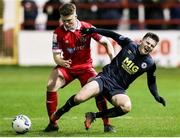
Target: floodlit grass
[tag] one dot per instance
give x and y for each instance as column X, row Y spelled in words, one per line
column 23, row 90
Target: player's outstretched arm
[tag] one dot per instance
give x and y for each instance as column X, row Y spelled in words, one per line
column 103, row 32
column 154, row 92
column 151, row 79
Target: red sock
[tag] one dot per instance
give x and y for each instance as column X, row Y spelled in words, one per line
column 101, row 104
column 51, row 102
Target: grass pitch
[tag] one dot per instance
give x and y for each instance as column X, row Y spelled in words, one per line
column 23, row 90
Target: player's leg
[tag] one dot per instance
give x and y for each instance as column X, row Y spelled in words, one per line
column 101, row 102
column 88, row 91
column 122, row 101
column 54, row 83
column 58, row 78
column 122, row 105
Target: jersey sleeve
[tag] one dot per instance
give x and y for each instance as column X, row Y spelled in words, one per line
column 95, row 36
column 55, row 44
column 151, row 80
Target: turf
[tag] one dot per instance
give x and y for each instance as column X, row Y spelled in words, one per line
column 22, row 90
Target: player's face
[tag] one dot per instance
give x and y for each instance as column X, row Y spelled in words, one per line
column 147, row 45
column 70, row 21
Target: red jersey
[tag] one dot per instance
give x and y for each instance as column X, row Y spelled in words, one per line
column 74, row 45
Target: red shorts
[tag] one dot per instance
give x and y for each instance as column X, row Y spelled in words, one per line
column 83, row 75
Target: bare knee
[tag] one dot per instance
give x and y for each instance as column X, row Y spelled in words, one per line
column 55, row 84
column 122, row 101
column 51, row 87
column 79, row 98
column 126, row 107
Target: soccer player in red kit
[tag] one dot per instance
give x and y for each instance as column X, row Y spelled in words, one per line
column 72, row 54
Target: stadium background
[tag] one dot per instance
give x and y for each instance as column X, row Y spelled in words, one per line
column 26, row 24
column 26, row 60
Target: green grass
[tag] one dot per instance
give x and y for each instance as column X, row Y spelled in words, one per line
column 22, row 90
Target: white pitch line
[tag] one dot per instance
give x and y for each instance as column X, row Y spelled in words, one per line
column 82, row 117
column 41, row 118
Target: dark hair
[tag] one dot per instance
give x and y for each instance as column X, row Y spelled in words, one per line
column 67, row 9
column 151, row 35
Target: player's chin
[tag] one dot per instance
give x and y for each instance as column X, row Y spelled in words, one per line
column 146, row 52
column 70, row 28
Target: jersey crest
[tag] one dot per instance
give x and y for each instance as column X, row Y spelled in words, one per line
column 144, row 65
column 82, row 39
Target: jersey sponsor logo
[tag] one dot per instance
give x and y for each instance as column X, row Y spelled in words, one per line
column 80, row 47
column 81, row 43
column 144, row 65
column 71, row 50
column 129, row 66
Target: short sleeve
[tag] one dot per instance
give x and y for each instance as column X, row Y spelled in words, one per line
column 55, row 45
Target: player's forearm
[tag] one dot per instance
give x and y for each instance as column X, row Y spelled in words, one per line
column 110, row 52
column 153, row 90
column 152, row 85
column 59, row 61
column 151, row 80
column 107, row 33
column 109, row 48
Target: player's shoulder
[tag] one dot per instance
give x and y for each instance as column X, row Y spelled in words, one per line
column 59, row 29
column 150, row 60
column 85, row 24
column 132, row 46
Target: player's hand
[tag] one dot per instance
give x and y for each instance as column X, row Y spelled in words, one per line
column 66, row 63
column 87, row 30
column 160, row 100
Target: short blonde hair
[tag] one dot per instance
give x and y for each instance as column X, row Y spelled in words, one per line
column 67, row 9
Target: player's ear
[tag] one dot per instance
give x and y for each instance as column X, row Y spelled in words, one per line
column 75, row 14
column 140, row 42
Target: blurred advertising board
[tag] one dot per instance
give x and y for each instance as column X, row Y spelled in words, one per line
column 35, row 48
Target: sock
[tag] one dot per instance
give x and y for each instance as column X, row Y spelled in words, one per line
column 101, row 104
column 110, row 113
column 51, row 102
column 65, row 108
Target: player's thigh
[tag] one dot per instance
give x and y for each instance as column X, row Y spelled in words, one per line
column 56, row 80
column 122, row 100
column 88, row 91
